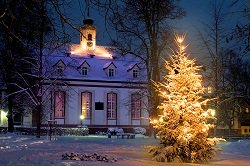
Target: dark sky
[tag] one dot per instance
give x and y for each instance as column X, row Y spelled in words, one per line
column 198, row 14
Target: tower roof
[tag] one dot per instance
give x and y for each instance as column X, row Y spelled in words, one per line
column 88, row 21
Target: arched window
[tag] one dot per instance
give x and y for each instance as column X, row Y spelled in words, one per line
column 90, row 37
column 86, row 104
column 111, row 105
column 135, row 106
column 59, row 104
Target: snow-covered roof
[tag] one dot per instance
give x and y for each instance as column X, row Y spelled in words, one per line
column 106, row 65
column 97, row 63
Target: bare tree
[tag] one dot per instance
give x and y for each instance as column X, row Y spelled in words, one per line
column 142, row 30
column 29, row 30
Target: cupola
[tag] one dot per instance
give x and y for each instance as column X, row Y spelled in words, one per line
column 88, row 34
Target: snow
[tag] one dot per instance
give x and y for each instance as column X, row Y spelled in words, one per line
column 19, row 150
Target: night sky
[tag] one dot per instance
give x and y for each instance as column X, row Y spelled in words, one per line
column 198, row 13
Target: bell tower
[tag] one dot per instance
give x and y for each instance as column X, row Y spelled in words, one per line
column 88, row 34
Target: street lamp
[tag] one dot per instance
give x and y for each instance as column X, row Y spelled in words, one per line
column 81, row 118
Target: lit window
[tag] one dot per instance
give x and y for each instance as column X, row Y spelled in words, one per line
column 86, row 104
column 59, row 70
column 135, row 106
column 111, row 72
column 84, row 71
column 59, row 104
column 111, row 105
column 135, row 73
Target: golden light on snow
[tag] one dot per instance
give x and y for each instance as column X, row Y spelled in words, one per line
column 100, row 52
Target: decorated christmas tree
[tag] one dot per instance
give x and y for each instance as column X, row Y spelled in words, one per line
column 184, row 123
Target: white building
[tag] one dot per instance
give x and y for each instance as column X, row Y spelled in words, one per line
column 94, row 82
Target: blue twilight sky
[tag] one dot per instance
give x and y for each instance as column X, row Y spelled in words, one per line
column 198, row 14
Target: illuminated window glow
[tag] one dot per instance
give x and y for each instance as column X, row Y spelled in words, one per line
column 111, row 105
column 86, row 104
column 59, row 104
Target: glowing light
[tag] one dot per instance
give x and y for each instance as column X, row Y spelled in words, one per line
column 155, row 121
column 99, row 51
column 205, row 114
column 197, row 105
column 3, row 114
column 212, row 111
column 204, row 130
column 185, row 130
column 82, row 117
column 180, row 38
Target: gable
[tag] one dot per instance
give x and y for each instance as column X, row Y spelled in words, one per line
column 109, row 65
column 133, row 67
column 59, row 63
column 84, row 64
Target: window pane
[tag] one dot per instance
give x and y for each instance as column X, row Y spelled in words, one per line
column 136, row 106
column 111, row 105
column 135, row 73
column 111, row 72
column 84, row 71
column 59, row 70
column 86, row 104
column 59, row 103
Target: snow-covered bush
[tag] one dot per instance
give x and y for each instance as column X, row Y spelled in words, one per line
column 80, row 131
column 140, row 130
column 115, row 130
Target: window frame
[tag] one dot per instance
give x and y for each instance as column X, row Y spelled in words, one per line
column 59, row 69
column 88, row 113
column 135, row 106
column 63, row 105
column 135, row 73
column 84, row 71
column 111, row 106
column 111, row 72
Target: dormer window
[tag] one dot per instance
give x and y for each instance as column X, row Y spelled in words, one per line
column 135, row 73
column 59, row 70
column 111, row 72
column 84, row 68
column 59, row 67
column 84, row 71
column 110, row 69
column 133, row 70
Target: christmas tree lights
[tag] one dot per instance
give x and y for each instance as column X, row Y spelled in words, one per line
column 183, row 124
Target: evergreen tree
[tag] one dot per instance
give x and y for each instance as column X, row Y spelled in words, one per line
column 183, row 125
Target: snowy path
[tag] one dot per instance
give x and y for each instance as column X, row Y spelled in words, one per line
column 30, row 151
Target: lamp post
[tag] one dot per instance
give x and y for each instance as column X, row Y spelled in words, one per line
column 81, row 118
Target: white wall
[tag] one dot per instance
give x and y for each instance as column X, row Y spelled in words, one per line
column 99, row 94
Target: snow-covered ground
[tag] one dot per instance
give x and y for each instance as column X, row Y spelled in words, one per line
column 16, row 150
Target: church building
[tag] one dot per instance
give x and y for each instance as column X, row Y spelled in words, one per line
column 97, row 86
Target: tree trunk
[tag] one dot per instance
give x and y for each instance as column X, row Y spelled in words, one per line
column 10, row 115
column 38, row 124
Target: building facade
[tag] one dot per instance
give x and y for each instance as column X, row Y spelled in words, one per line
column 93, row 85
